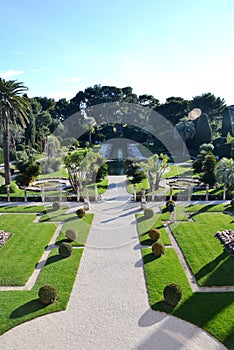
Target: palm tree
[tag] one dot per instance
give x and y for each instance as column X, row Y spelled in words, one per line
column 224, row 172
column 13, row 108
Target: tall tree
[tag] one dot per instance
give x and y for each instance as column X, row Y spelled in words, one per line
column 202, row 131
column 14, row 108
column 209, row 104
column 226, row 123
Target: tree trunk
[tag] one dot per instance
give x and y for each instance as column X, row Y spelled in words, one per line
column 6, row 152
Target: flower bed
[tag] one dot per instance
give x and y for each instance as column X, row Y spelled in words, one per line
column 4, row 236
column 227, row 239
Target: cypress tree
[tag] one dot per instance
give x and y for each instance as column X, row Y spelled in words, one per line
column 203, row 131
column 227, row 123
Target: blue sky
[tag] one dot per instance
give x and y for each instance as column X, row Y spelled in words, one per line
column 164, row 48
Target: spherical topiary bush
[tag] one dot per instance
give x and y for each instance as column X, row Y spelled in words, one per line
column 65, row 250
column 71, row 234
column 56, row 205
column 80, row 213
column 172, row 294
column 154, row 234
column 47, row 294
column 158, row 249
column 148, row 213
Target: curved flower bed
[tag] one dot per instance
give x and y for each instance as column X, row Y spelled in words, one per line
column 4, row 236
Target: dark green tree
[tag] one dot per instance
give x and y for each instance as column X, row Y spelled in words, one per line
column 202, row 132
column 227, row 126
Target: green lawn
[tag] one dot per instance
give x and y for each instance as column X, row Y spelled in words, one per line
column 145, row 225
column 144, row 184
column 21, row 208
column 210, row 311
column 210, row 263
column 24, row 249
column 179, row 170
column 61, row 173
column 20, row 306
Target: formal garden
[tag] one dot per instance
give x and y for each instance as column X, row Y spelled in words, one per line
column 45, row 161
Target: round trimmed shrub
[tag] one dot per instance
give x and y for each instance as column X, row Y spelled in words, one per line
column 148, row 213
column 71, row 234
column 158, row 249
column 56, row 205
column 154, row 234
column 47, row 294
column 172, row 294
column 65, row 250
column 80, row 213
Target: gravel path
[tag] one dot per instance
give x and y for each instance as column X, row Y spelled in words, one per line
column 109, row 307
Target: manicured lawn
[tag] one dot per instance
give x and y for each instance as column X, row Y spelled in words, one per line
column 21, row 208
column 210, row 263
column 211, row 311
column 21, row 253
column 144, row 184
column 25, row 249
column 82, row 226
column 61, row 173
column 20, row 306
column 209, row 207
column 179, row 170
column 145, row 225
column 160, row 272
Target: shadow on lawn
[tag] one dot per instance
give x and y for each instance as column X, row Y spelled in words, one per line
column 27, row 308
column 219, row 271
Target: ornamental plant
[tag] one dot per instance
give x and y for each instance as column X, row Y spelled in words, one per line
column 65, row 250
column 56, row 205
column 47, row 294
column 148, row 213
column 172, row 294
column 154, row 234
column 158, row 249
column 71, row 234
column 80, row 212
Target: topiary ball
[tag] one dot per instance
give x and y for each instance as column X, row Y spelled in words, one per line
column 56, row 205
column 71, row 234
column 172, row 294
column 154, row 234
column 65, row 250
column 148, row 213
column 80, row 213
column 158, row 249
column 47, row 294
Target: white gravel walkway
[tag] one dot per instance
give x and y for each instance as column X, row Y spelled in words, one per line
column 109, row 307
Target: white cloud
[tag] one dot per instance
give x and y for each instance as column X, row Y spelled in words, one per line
column 72, row 80
column 10, row 73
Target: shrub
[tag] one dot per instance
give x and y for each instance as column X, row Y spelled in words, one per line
column 71, row 234
column 65, row 250
column 232, row 203
column 56, row 205
column 47, row 294
column 13, row 188
column 154, row 234
column 148, row 213
column 158, row 249
column 172, row 294
column 80, row 212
